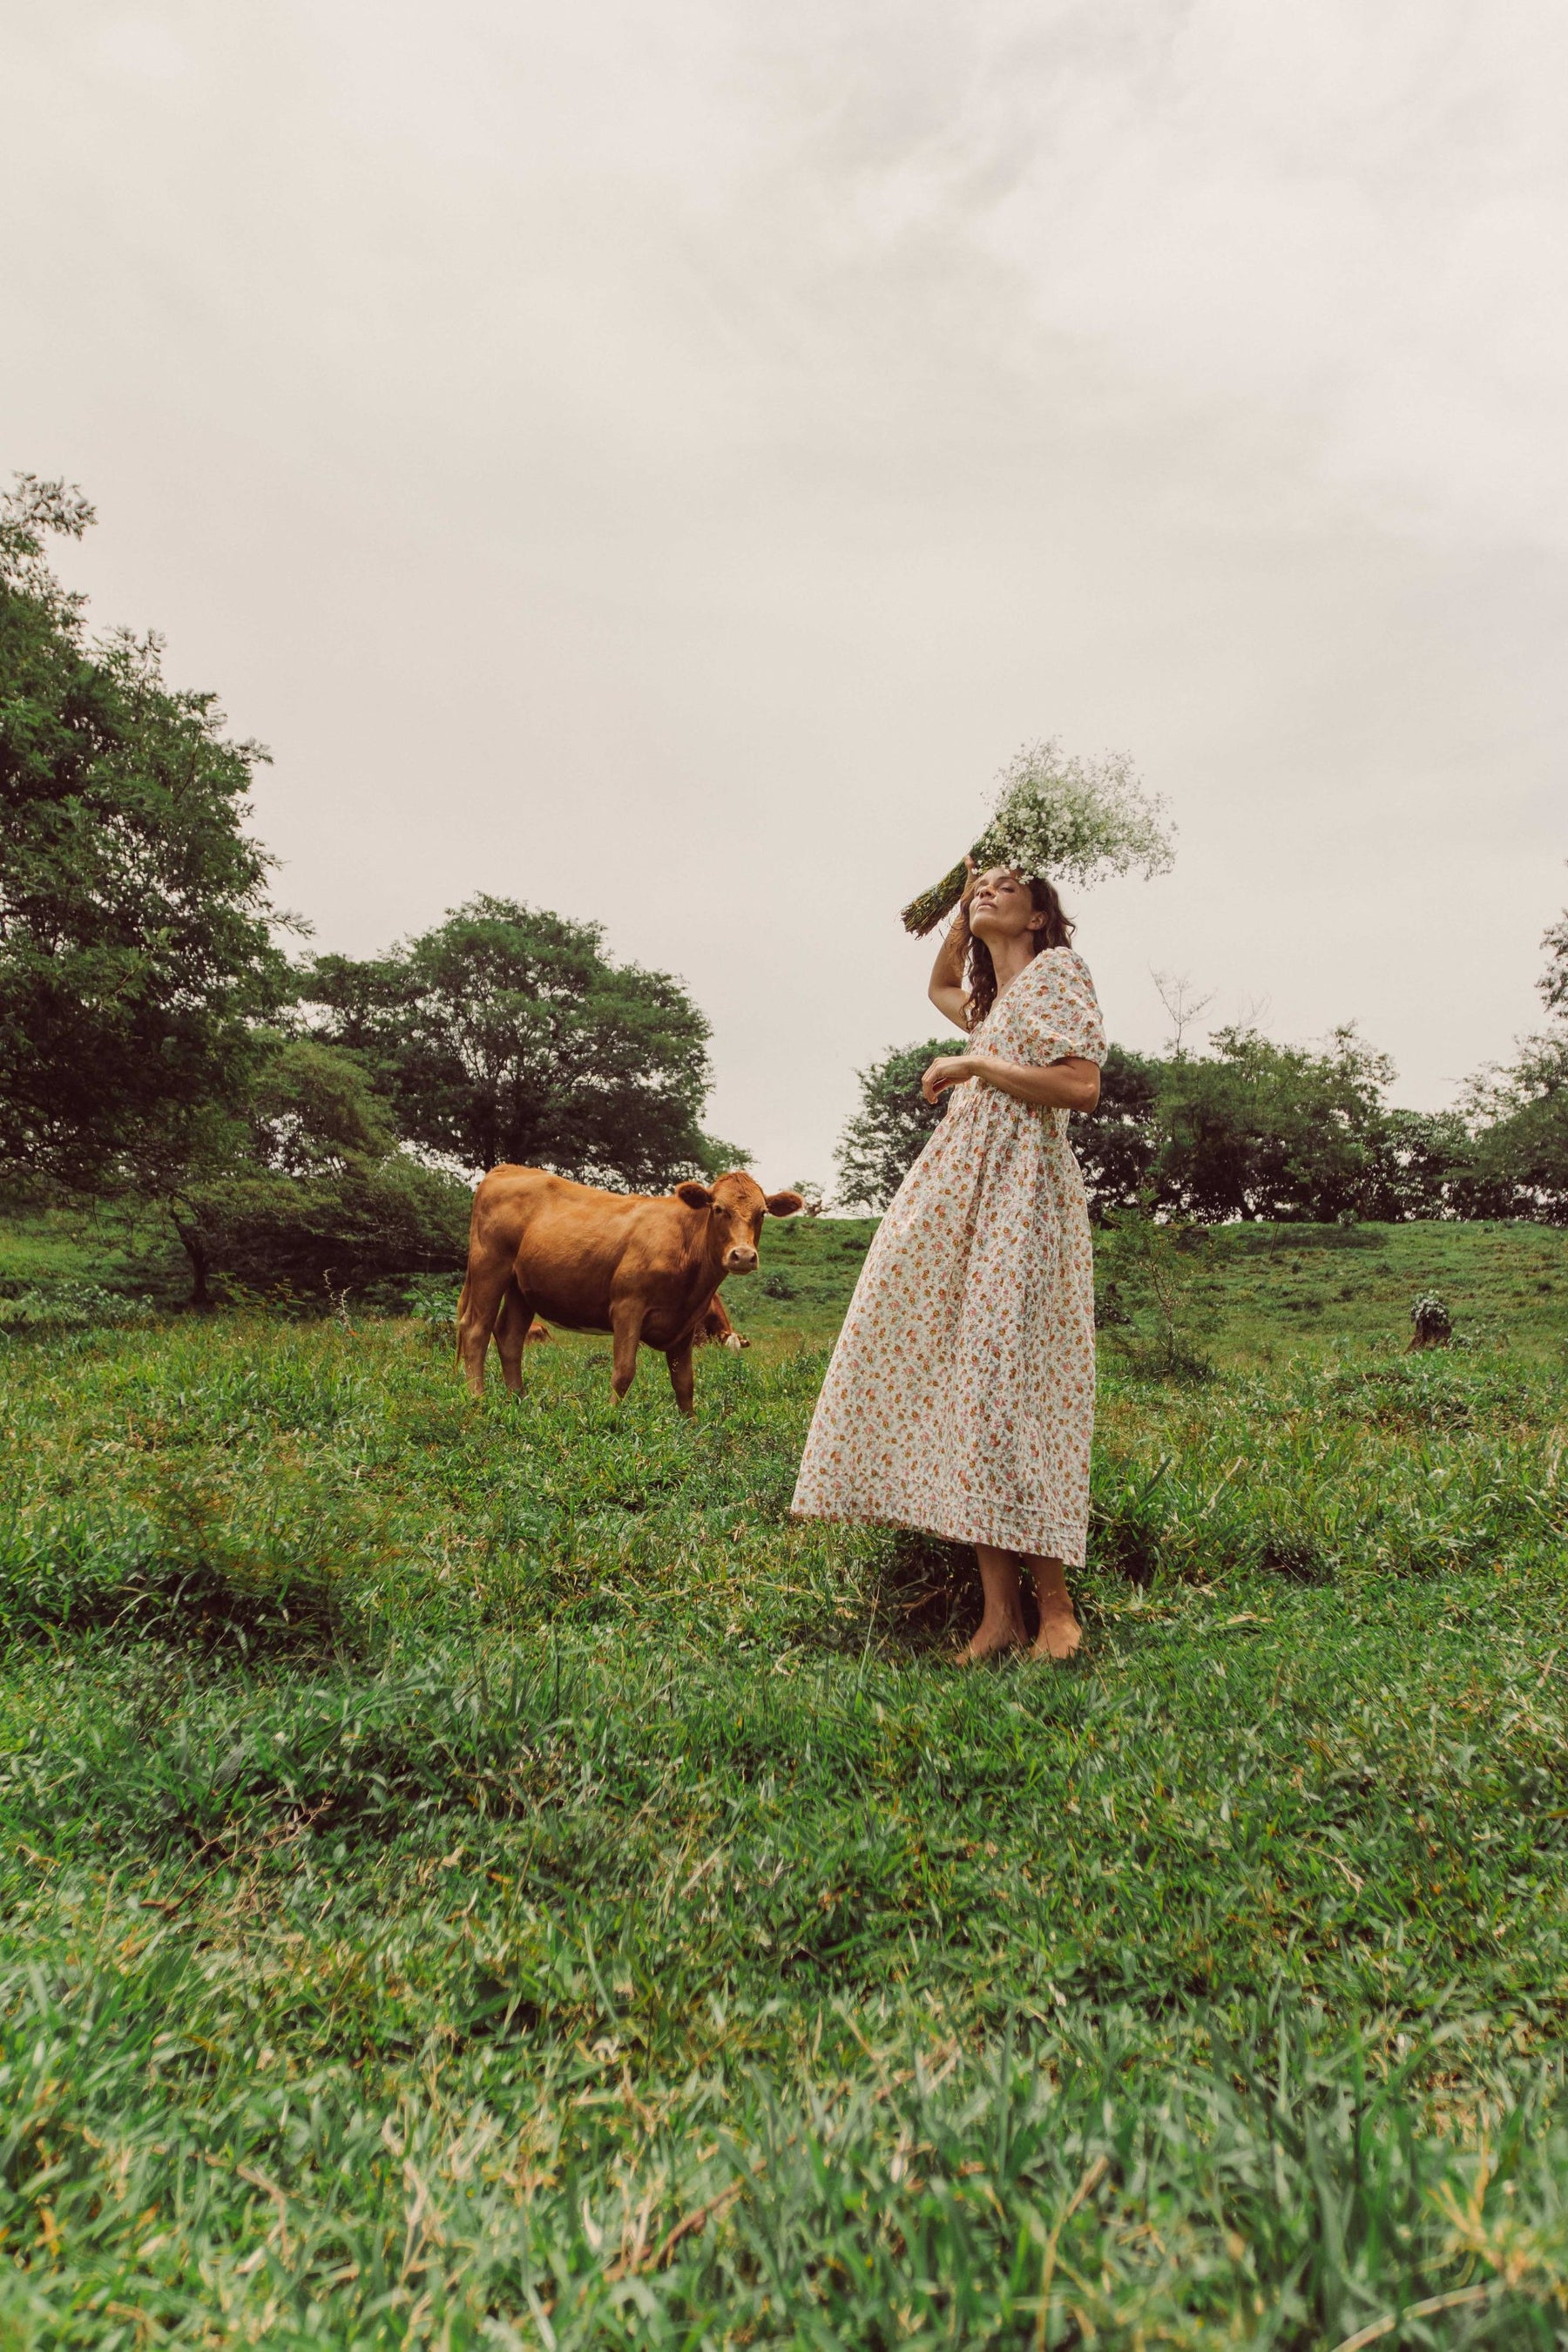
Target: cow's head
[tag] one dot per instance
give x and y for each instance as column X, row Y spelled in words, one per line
column 736, row 1205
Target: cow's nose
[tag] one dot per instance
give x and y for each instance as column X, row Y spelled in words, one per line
column 740, row 1260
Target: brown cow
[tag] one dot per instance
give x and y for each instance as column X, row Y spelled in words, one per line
column 644, row 1269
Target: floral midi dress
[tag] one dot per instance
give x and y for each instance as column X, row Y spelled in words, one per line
column 961, row 1395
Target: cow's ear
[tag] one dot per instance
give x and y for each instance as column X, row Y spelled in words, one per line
column 784, row 1205
column 696, row 1196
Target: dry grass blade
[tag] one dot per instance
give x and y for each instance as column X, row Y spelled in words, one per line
column 1378, row 2329
column 1090, row 2181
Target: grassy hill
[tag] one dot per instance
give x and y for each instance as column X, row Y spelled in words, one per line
column 1268, row 1291
column 488, row 1878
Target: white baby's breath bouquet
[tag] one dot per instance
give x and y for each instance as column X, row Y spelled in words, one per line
column 1062, row 818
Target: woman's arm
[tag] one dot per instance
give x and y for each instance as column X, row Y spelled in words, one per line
column 947, row 991
column 1071, row 1084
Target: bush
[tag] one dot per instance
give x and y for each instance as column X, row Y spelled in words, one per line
column 1148, row 1295
column 70, row 1306
column 310, row 1238
column 323, row 1200
column 433, row 1300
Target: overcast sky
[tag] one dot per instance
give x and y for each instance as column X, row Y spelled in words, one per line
column 660, row 461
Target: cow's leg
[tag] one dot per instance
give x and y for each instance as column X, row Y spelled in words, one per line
column 511, row 1334
column 625, row 1322
column 476, row 1314
column 680, row 1375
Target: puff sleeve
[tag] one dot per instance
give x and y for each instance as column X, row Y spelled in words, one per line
column 1054, row 1010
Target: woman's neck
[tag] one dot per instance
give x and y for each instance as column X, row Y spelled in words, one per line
column 1009, row 957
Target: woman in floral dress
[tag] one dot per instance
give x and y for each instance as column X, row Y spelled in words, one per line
column 961, row 1395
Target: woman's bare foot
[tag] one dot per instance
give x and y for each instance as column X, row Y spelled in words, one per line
column 991, row 1641
column 1001, row 1625
column 1061, row 1632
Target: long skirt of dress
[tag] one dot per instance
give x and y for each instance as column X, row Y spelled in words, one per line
column 960, row 1397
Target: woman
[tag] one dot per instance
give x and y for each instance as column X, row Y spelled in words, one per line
column 961, row 1395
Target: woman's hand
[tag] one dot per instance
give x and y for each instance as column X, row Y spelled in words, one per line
column 947, row 1070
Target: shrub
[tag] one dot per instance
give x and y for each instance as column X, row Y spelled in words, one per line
column 306, row 1238
column 70, row 1306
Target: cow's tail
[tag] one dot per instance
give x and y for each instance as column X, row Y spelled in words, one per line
column 462, row 1316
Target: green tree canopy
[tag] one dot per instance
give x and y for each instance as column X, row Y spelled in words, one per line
column 1554, row 981
column 1117, row 1141
column 136, row 928
column 1423, row 1165
column 507, row 1033
column 1258, row 1129
column 1519, row 1114
column 1520, row 1161
column 893, row 1126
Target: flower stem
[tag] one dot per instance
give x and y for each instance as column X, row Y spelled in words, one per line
column 923, row 914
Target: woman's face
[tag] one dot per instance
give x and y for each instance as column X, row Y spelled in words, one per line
column 1001, row 907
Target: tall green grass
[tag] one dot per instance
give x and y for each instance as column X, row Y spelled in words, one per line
column 489, row 1878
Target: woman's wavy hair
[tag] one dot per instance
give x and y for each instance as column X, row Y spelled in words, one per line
column 1056, row 931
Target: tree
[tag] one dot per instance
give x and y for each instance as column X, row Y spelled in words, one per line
column 891, row 1128
column 321, row 1199
column 507, row 1033
column 135, row 930
column 1117, row 1141
column 1423, row 1165
column 1256, row 1129
column 1517, row 1116
column 312, row 1110
column 1553, row 981
column 1181, row 1002
column 1520, row 1166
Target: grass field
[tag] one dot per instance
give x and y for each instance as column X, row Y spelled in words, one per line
column 487, row 1878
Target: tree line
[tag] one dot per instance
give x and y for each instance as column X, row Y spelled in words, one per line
column 1254, row 1129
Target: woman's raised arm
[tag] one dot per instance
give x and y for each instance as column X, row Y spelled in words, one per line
column 947, row 991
